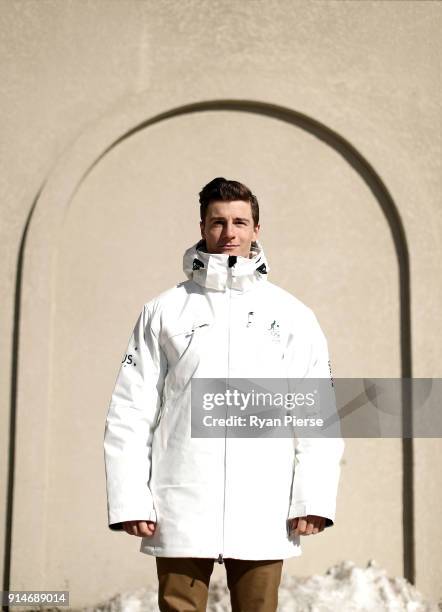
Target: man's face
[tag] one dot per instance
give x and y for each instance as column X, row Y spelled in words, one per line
column 228, row 228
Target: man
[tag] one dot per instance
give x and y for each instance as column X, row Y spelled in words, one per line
column 241, row 501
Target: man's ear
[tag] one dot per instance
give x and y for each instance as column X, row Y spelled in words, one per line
column 202, row 229
column 256, row 231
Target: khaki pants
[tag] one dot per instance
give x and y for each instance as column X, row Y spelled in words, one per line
column 184, row 584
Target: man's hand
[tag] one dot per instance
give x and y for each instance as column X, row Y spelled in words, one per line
column 139, row 528
column 307, row 525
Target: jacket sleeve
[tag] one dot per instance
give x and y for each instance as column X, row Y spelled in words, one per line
column 317, row 458
column 131, row 419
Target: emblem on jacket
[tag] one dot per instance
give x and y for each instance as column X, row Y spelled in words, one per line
column 273, row 328
column 250, row 316
column 331, row 375
column 274, row 331
column 129, row 359
column 197, row 264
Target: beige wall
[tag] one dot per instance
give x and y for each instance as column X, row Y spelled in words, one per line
column 357, row 140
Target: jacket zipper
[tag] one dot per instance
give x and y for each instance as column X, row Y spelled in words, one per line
column 229, row 289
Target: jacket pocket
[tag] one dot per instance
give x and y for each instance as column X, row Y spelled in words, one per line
column 178, row 340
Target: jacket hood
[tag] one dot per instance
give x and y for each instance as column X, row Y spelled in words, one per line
column 211, row 270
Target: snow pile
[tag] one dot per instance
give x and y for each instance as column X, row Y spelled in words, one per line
column 343, row 588
column 348, row 588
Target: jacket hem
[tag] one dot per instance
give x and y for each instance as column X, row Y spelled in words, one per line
column 174, row 552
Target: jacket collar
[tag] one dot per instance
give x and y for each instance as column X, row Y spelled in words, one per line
column 212, row 270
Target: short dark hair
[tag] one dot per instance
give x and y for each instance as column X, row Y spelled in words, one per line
column 220, row 189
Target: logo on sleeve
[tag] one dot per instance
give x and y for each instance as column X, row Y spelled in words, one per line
column 129, row 358
column 331, row 376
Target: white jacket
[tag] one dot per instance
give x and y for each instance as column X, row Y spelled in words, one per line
column 216, row 497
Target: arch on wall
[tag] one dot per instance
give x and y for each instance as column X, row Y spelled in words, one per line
column 36, row 259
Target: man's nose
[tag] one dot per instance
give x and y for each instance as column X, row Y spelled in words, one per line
column 229, row 230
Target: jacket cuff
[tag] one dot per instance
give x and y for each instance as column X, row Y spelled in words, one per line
column 303, row 509
column 118, row 516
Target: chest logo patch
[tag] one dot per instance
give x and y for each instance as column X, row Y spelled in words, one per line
column 274, row 331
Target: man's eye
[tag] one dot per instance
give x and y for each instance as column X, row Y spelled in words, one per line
column 237, row 222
